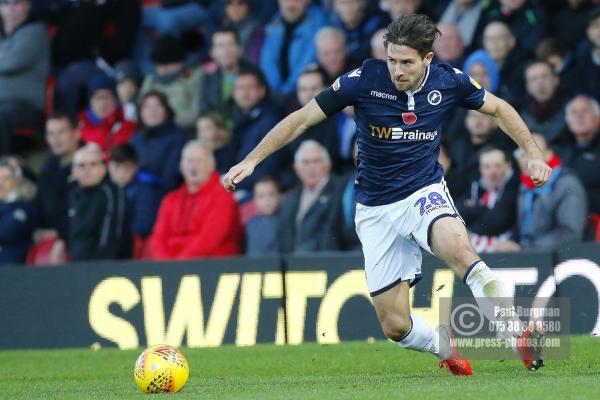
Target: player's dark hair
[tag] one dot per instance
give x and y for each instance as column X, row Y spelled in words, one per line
column 124, row 152
column 65, row 116
column 489, row 148
column 417, row 31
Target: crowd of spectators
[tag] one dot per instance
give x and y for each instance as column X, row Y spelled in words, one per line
column 118, row 117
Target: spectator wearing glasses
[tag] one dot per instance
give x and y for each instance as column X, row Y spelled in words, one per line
column 310, row 214
column 98, row 210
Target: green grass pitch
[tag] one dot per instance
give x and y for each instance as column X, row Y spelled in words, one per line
column 355, row 370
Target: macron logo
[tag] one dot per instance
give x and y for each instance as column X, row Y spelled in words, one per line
column 382, row 95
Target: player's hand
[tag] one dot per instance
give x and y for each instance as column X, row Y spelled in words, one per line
column 539, row 171
column 238, row 173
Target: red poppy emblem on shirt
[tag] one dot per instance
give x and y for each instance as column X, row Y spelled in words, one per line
column 409, row 118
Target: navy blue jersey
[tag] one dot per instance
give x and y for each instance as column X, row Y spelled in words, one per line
column 398, row 133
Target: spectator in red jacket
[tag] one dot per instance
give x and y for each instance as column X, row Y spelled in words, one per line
column 103, row 122
column 200, row 219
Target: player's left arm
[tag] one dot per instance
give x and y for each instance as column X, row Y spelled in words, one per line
column 513, row 125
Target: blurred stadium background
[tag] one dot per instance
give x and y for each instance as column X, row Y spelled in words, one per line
column 114, row 236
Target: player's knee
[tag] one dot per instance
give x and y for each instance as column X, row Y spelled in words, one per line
column 461, row 255
column 396, row 327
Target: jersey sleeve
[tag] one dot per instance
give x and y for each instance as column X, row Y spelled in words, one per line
column 471, row 94
column 342, row 93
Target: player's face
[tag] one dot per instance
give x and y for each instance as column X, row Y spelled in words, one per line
column 407, row 68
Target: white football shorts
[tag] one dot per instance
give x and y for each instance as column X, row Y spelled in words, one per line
column 392, row 235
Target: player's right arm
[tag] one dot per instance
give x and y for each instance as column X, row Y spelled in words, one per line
column 476, row 98
column 283, row 133
column 513, row 125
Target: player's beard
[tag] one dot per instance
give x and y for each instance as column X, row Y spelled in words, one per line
column 407, row 86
